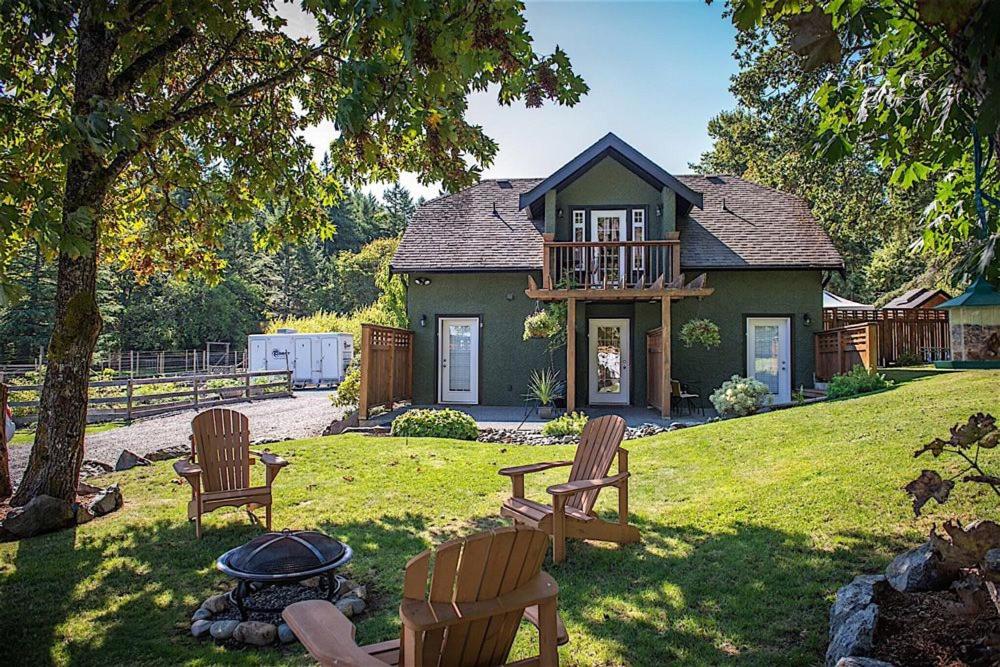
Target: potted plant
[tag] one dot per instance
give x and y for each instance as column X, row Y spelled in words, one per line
column 545, row 387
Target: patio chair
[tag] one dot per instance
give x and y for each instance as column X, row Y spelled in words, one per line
column 480, row 589
column 571, row 513
column 680, row 396
column 219, row 467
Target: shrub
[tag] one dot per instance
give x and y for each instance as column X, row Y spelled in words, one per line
column 349, row 391
column 701, row 332
column 857, row 381
column 571, row 424
column 446, row 423
column 739, row 397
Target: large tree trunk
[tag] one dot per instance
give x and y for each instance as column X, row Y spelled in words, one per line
column 54, row 466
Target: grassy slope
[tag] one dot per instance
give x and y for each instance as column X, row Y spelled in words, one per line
column 749, row 527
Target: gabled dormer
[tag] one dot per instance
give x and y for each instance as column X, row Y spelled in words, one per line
column 610, row 221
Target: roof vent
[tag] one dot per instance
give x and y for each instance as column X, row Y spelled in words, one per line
column 505, row 185
column 716, row 179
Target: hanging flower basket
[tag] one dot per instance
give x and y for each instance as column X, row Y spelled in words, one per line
column 701, row 332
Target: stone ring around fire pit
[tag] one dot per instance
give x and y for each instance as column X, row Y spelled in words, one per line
column 283, row 558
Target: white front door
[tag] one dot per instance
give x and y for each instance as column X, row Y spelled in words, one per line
column 769, row 355
column 608, row 263
column 458, row 360
column 609, row 361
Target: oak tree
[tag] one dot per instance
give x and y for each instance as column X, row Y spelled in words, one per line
column 139, row 130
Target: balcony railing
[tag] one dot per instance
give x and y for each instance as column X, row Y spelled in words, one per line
column 609, row 265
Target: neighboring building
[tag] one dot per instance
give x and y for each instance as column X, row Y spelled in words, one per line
column 831, row 300
column 921, row 297
column 621, row 240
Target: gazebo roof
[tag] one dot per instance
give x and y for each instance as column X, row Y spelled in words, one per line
column 979, row 293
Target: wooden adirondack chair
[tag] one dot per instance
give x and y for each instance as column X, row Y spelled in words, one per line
column 571, row 513
column 219, row 467
column 480, row 589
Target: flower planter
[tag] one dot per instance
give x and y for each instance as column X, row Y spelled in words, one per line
column 546, row 411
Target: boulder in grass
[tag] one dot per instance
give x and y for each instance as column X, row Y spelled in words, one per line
column 863, row 662
column 128, row 459
column 107, row 501
column 223, row 630
column 285, row 634
column 200, row 628
column 854, row 637
column 42, row 514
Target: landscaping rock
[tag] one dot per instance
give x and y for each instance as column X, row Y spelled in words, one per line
column 256, row 633
column 129, row 459
column 863, row 662
column 108, row 501
column 200, row 628
column 285, row 634
column 852, row 619
column 201, row 614
column 854, row 636
column 91, row 468
column 991, row 565
column 223, row 630
column 311, row 582
column 360, row 592
column 82, row 515
column 42, row 514
column 166, row 453
column 217, row 603
column 916, row 570
column 349, row 605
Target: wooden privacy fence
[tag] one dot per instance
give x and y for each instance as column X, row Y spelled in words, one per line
column 922, row 332
column 132, row 398
column 386, row 368
column 840, row 350
column 654, row 360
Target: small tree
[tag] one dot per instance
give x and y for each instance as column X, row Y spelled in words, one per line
column 139, row 130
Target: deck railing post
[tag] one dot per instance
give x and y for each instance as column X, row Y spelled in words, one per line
column 128, row 401
column 194, row 383
column 248, row 386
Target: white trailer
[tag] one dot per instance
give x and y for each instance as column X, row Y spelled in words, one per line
column 313, row 358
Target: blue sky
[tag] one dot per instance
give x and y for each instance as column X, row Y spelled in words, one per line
column 657, row 72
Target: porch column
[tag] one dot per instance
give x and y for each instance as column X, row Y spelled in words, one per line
column 570, row 355
column 665, row 355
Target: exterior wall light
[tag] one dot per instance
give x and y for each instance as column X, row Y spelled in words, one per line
column 807, row 319
column 423, row 320
column 421, row 281
column 659, row 210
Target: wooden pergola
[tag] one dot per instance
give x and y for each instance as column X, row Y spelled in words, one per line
column 664, row 293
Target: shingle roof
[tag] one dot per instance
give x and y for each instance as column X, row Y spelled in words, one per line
column 915, row 298
column 742, row 225
column 745, row 225
column 463, row 232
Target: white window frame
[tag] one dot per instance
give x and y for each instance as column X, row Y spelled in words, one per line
column 638, row 225
column 579, row 236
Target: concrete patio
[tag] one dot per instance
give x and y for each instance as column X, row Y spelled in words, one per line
column 526, row 418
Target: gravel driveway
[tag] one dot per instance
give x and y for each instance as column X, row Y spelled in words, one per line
column 303, row 416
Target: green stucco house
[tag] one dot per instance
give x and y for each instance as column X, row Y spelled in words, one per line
column 635, row 252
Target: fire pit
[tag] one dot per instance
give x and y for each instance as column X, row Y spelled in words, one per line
column 282, row 559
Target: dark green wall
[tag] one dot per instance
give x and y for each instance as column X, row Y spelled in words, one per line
column 507, row 360
column 608, row 184
column 742, row 293
column 498, row 299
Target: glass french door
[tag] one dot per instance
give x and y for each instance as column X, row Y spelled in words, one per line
column 608, row 263
column 458, row 360
column 609, row 361
column 769, row 355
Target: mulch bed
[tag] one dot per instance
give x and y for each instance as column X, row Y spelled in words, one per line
column 923, row 629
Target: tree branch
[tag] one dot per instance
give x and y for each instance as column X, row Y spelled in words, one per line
column 131, row 74
column 209, row 72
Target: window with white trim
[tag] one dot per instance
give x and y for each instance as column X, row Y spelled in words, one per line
column 579, row 236
column 638, row 234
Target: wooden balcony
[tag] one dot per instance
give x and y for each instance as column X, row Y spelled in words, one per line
column 613, row 270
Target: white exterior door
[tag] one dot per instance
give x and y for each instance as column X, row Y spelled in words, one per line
column 769, row 355
column 608, row 263
column 458, row 360
column 303, row 360
column 609, row 361
column 330, row 364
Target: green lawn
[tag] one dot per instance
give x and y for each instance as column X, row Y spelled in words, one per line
column 749, row 527
column 24, row 436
